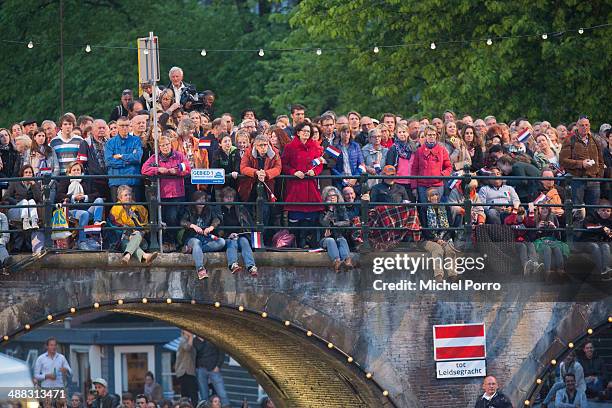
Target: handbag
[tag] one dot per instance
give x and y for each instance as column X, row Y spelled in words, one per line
column 59, row 225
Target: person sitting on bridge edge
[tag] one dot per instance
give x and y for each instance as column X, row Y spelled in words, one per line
column 126, row 215
column 333, row 239
column 200, row 221
column 570, row 396
column 492, row 397
column 595, row 373
column 237, row 216
column 568, row 366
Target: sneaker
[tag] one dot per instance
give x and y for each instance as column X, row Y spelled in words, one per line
column 235, row 268
column 528, row 268
column 539, row 268
column 337, row 264
column 125, row 259
column 202, row 273
column 26, row 224
column 34, row 223
column 253, row 271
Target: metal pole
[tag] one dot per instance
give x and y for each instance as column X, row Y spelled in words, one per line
column 61, row 67
column 155, row 141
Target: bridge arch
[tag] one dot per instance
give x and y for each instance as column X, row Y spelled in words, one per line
column 296, row 367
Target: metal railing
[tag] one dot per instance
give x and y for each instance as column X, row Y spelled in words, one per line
column 157, row 227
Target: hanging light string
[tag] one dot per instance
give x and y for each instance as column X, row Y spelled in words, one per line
column 88, row 47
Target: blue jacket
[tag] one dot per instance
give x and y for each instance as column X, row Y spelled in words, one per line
column 130, row 149
column 355, row 159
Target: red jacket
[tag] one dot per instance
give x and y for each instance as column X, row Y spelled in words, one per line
column 298, row 156
column 520, row 234
column 170, row 187
column 249, row 165
column 431, row 162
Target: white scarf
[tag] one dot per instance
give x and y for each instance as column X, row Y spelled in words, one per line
column 75, row 187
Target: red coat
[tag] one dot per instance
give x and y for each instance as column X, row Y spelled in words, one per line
column 431, row 162
column 298, row 156
column 249, row 165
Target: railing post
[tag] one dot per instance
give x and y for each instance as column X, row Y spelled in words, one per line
column 364, row 214
column 154, row 226
column 467, row 204
column 569, row 210
column 48, row 210
column 259, row 206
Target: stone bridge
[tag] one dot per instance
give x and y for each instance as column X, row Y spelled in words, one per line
column 312, row 337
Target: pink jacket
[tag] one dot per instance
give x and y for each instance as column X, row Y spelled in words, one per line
column 431, row 162
column 173, row 186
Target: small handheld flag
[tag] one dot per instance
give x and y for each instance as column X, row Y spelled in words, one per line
column 256, row 240
column 45, row 171
column 182, row 167
column 95, row 228
column 316, row 161
column 333, row 151
column 316, row 250
column 377, row 167
column 82, row 157
column 594, row 226
column 362, row 168
column 524, row 135
column 454, row 182
column 204, row 143
column 542, row 198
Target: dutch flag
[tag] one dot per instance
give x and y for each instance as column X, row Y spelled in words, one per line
column 362, row 168
column 45, row 171
column 205, row 143
column 82, row 157
column 317, row 161
column 524, row 135
column 542, row 198
column 377, row 167
column 182, row 167
column 454, row 182
column 257, row 240
column 316, row 250
column 333, row 151
column 90, row 229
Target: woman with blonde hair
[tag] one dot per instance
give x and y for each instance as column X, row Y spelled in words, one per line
column 386, row 136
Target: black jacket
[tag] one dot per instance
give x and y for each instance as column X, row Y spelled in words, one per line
column 335, row 216
column 118, row 111
column 108, row 401
column 211, row 215
column 89, row 190
column 91, row 164
column 17, row 192
column 240, row 214
column 208, row 356
column 499, row 400
column 386, row 193
column 11, row 162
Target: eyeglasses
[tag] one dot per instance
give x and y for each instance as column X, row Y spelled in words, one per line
column 305, row 131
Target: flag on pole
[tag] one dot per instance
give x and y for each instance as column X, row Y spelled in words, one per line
column 524, row 135
column 333, row 151
column 317, row 161
column 256, row 240
column 204, row 143
column 81, row 157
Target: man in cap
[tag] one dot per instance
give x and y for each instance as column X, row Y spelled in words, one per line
column 104, row 399
column 388, row 191
column 29, row 127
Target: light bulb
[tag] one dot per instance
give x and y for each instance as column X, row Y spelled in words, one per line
column 489, row 42
column 287, row 322
column 120, row 302
column 203, row 53
column 49, row 317
column 385, row 393
column 544, row 36
column 30, row 45
column 581, row 31
column 168, row 301
column 88, row 48
column 261, row 52
column 433, row 46
column 376, row 50
column 96, row 305
column 319, row 52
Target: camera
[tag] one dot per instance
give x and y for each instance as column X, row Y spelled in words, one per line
column 191, row 99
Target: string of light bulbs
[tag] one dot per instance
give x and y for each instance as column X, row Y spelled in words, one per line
column 433, row 45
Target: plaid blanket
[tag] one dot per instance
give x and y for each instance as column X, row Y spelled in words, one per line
column 389, row 216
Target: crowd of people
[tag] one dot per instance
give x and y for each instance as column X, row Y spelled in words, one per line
column 364, row 159
column 197, row 369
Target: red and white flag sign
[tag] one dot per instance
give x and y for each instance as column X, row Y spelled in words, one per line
column 459, row 342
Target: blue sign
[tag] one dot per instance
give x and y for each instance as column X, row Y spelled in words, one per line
column 207, row 176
